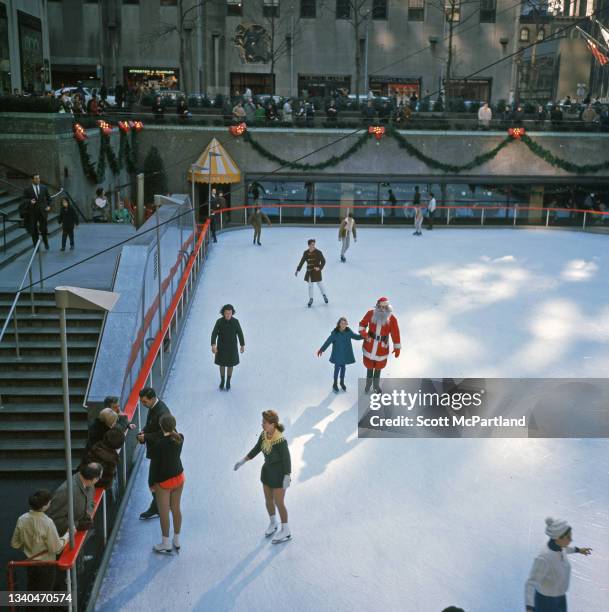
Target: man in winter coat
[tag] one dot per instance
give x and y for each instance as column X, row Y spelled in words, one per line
column 35, row 210
column 255, row 220
column 347, row 227
column 150, row 433
column 315, row 261
column 105, row 452
column 377, row 326
column 68, row 219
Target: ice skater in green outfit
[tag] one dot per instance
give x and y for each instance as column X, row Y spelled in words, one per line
column 275, row 475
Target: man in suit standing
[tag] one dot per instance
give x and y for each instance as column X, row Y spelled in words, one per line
column 150, row 434
column 35, row 210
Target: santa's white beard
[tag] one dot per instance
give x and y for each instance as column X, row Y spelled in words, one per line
column 381, row 317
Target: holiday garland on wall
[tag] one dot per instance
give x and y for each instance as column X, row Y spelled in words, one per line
column 514, row 134
column 127, row 152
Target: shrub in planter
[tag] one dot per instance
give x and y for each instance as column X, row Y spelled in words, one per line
column 529, row 109
column 147, row 100
column 154, row 169
column 438, row 106
column 219, row 101
column 474, row 107
column 457, row 105
column 206, row 102
column 500, row 107
column 29, row 104
column 193, row 101
column 424, row 106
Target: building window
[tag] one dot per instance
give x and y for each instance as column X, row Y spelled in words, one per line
column 271, row 8
column 308, row 9
column 343, row 9
column 541, row 34
column 488, row 10
column 525, row 35
column 234, row 8
column 379, row 9
column 169, row 2
column 131, row 1
column 452, row 9
column 416, row 10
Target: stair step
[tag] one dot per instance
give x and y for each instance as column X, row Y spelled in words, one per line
column 43, row 360
column 49, row 344
column 46, row 329
column 29, row 318
column 39, row 410
column 9, row 394
column 30, row 466
column 75, row 376
column 25, row 425
column 36, row 444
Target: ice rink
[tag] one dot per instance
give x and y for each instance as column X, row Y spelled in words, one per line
column 378, row 524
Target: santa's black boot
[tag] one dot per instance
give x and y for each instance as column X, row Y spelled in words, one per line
column 228, row 383
column 368, row 381
column 222, row 383
column 310, row 303
column 376, row 381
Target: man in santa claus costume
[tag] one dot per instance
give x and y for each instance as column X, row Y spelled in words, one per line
column 376, row 327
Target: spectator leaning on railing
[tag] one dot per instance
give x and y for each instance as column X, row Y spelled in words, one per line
column 36, row 535
column 485, row 114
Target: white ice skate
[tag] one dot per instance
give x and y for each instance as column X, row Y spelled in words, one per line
column 163, row 548
column 271, row 529
column 283, row 535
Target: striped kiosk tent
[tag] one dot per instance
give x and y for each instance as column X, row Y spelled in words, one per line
column 214, row 167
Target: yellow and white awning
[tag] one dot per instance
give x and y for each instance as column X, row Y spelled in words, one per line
column 223, row 168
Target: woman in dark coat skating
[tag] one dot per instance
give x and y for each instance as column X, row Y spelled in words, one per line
column 224, row 343
column 275, row 475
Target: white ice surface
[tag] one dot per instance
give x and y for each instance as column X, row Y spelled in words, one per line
column 379, row 524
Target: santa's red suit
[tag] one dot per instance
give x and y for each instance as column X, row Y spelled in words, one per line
column 377, row 326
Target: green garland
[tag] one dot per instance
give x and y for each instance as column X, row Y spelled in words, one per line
column 412, row 150
column 557, row 162
column 331, row 161
column 109, row 153
column 101, row 163
column 456, row 168
column 97, row 172
column 85, row 159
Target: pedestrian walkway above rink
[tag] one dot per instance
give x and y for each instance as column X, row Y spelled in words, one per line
column 94, row 273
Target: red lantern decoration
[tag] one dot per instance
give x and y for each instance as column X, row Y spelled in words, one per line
column 378, row 131
column 516, row 133
column 105, row 127
column 138, row 126
column 79, row 132
column 124, row 126
column 237, row 130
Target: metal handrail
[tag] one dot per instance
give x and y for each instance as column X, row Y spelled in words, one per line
column 99, row 339
column 13, row 309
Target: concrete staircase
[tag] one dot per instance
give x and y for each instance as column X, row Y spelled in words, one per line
column 31, row 416
column 18, row 241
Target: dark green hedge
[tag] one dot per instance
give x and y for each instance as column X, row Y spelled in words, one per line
column 29, row 104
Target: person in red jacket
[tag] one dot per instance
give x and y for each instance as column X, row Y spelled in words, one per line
column 377, row 326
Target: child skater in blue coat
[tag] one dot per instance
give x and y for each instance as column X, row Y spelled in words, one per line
column 342, row 351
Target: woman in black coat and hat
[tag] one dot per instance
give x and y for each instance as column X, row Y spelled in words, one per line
column 224, row 343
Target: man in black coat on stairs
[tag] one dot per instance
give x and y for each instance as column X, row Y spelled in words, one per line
column 151, row 432
column 35, row 210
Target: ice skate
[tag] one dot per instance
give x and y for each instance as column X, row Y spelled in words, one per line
column 163, row 548
column 272, row 528
column 342, row 385
column 325, row 298
column 310, row 303
column 176, row 541
column 368, row 385
column 335, row 388
column 343, row 258
column 283, row 535
column 221, row 387
column 228, row 384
